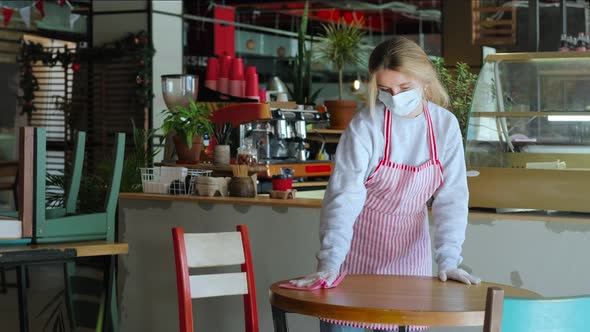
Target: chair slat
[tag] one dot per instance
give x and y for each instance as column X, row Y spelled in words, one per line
column 209, row 285
column 222, row 249
column 76, row 177
column 26, row 178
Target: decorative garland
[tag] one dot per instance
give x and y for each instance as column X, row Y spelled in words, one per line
column 137, row 44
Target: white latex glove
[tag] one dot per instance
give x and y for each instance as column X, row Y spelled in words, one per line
column 328, row 276
column 458, row 275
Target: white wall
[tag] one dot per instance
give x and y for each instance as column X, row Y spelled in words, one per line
column 108, row 28
column 119, row 5
column 169, row 6
column 547, row 257
column 167, row 38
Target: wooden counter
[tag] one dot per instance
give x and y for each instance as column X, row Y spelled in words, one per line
column 284, row 234
column 312, row 203
column 312, row 168
column 259, row 200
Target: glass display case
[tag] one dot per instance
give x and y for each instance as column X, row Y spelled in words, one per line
column 528, row 139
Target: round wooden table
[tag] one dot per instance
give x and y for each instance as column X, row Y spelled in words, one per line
column 387, row 299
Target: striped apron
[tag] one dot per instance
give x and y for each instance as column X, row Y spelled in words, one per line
column 391, row 232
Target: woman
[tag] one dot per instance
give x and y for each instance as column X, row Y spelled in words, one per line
column 392, row 158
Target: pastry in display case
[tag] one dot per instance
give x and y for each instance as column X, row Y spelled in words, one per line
column 528, row 138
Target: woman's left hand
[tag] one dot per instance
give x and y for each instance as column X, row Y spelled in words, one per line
column 458, row 275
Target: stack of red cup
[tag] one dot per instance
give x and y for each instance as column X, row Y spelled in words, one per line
column 236, row 78
column 212, row 76
column 224, row 69
column 226, row 75
column 262, row 95
column 252, row 83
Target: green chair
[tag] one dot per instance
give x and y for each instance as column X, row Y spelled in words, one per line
column 63, row 224
column 561, row 314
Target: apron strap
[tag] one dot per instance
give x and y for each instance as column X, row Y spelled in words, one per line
column 387, row 133
column 431, row 138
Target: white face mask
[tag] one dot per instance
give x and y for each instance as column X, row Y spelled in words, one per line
column 403, row 103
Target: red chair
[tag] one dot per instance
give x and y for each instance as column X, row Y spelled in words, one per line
column 209, row 250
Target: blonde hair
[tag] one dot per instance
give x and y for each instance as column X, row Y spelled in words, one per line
column 403, row 55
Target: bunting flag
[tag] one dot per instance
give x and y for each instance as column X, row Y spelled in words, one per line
column 73, row 19
column 40, row 7
column 25, row 14
column 7, row 14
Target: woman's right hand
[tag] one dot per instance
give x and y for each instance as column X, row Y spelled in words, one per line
column 328, row 276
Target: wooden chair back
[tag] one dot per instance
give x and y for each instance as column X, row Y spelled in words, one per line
column 211, row 250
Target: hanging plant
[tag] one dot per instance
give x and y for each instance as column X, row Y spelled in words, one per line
column 139, row 45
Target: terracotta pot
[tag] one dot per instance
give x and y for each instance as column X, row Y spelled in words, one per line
column 186, row 155
column 341, row 112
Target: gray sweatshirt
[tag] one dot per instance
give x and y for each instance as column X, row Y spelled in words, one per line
column 359, row 150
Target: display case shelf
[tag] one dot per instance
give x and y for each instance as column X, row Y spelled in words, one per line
column 531, row 111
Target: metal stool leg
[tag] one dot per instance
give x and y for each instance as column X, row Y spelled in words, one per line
column 3, row 289
column 69, row 271
column 279, row 320
column 111, row 313
column 15, row 196
column 22, row 299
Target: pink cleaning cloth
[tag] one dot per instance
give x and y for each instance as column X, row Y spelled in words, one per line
column 320, row 284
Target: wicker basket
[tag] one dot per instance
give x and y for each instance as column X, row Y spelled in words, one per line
column 170, row 180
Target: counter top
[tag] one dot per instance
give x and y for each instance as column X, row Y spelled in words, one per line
column 316, row 203
column 259, row 200
column 541, row 216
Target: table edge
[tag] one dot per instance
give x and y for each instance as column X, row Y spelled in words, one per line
column 382, row 316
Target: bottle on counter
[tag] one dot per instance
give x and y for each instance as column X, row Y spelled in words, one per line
column 563, row 44
column 207, row 150
column 571, row 43
column 247, row 155
column 581, row 42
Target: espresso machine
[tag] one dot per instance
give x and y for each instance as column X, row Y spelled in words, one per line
column 282, row 139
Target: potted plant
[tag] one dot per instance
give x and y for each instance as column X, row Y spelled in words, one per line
column 459, row 84
column 189, row 123
column 300, row 73
column 341, row 46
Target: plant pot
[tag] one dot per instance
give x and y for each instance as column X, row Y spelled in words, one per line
column 242, row 187
column 221, row 155
column 341, row 112
column 186, row 155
